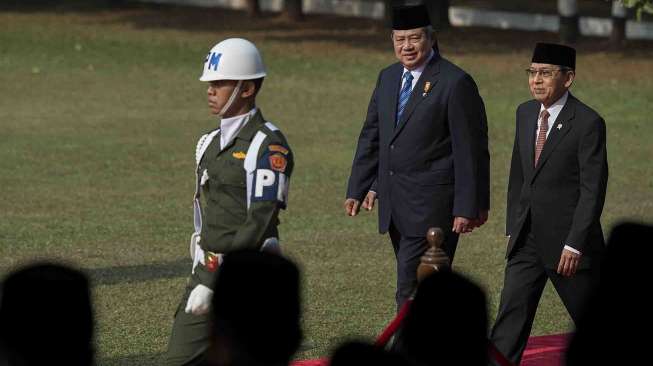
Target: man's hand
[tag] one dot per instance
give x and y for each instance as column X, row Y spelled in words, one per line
column 482, row 218
column 462, row 225
column 199, row 300
column 352, row 207
column 568, row 263
column 368, row 202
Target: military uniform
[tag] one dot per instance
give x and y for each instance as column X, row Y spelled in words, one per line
column 240, row 189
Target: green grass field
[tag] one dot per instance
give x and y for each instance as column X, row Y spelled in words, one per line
column 99, row 115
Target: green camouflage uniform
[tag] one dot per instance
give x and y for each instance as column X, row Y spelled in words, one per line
column 235, row 215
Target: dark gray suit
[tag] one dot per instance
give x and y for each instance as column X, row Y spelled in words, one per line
column 430, row 166
column 556, row 203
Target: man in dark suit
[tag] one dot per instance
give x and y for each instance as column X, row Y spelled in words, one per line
column 423, row 148
column 556, row 191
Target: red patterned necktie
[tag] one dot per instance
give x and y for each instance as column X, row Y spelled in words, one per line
column 541, row 134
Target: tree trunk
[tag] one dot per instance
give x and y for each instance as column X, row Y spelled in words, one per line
column 618, row 34
column 253, row 8
column 569, row 24
column 439, row 13
column 293, row 10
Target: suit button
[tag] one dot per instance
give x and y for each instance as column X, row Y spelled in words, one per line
column 392, row 147
column 392, row 173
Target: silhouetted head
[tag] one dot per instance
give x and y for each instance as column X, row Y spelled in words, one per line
column 256, row 309
column 46, row 316
column 446, row 323
column 359, row 353
column 607, row 332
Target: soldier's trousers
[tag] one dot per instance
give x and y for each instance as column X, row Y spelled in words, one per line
column 190, row 333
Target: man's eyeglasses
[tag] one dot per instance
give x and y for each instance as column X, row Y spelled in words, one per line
column 545, row 73
column 412, row 39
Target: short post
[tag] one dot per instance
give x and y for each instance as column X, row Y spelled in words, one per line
column 434, row 259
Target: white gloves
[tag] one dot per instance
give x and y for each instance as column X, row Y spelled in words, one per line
column 199, row 300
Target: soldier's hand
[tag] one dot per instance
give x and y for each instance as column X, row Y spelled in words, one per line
column 352, row 206
column 462, row 225
column 199, row 300
column 368, row 202
column 568, row 263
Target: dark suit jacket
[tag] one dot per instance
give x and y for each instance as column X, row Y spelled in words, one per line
column 435, row 163
column 565, row 193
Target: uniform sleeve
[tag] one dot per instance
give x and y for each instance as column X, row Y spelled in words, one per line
column 267, row 194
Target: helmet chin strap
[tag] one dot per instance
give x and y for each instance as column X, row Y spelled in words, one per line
column 232, row 98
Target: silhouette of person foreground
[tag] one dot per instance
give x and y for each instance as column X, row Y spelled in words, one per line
column 46, row 317
column 613, row 329
column 446, row 324
column 255, row 311
column 359, row 354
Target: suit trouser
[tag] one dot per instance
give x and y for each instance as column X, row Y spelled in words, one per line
column 525, row 278
column 190, row 333
column 408, row 251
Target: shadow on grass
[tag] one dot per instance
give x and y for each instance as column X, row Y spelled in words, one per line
column 139, row 273
column 349, row 31
column 153, row 359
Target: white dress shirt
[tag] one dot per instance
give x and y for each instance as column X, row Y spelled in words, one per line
column 229, row 127
column 554, row 111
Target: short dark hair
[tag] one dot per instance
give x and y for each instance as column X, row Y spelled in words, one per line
column 257, row 305
column 258, row 83
column 40, row 303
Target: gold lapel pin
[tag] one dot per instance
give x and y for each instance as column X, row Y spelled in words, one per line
column 427, row 88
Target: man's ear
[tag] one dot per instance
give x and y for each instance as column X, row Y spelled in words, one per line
column 249, row 89
column 571, row 75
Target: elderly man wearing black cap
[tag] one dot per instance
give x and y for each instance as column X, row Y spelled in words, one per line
column 556, row 190
column 423, row 147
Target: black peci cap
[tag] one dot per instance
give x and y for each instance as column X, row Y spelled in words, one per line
column 555, row 54
column 410, row 17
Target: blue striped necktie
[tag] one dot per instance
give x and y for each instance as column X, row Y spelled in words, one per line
column 404, row 95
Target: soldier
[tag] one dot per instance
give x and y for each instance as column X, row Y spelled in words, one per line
column 242, row 175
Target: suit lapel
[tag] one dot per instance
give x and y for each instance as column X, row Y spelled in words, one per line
column 395, row 84
column 527, row 136
column 558, row 131
column 429, row 74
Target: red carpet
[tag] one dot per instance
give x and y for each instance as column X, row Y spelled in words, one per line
column 545, row 350
column 540, row 351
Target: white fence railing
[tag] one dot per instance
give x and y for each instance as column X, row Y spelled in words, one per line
column 459, row 16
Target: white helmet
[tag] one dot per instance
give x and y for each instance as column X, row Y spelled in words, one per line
column 233, row 59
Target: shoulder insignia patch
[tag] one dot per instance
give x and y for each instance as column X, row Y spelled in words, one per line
column 239, row 155
column 278, row 162
column 278, row 148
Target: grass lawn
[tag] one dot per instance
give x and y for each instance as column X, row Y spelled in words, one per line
column 99, row 115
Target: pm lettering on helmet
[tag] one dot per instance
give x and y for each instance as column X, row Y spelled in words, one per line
column 214, row 60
